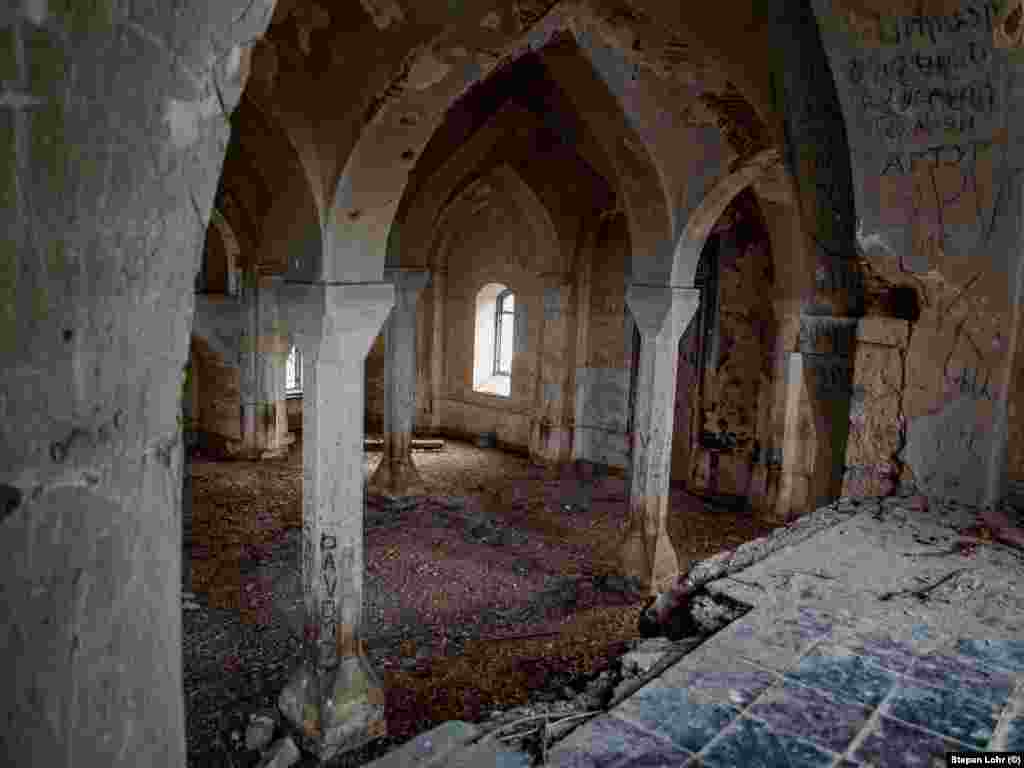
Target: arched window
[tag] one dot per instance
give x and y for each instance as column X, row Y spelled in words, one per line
column 293, row 372
column 495, row 342
column 504, row 332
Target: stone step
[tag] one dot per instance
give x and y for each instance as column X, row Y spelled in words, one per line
column 447, row 746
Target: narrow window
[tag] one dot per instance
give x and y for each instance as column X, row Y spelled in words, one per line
column 293, row 373
column 504, row 333
column 494, row 340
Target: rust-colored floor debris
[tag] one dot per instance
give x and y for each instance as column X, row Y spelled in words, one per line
column 499, row 582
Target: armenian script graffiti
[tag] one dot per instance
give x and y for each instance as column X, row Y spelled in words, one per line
column 925, row 97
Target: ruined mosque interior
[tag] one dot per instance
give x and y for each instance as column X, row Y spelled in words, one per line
column 462, row 382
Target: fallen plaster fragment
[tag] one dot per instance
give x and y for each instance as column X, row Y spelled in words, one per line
column 669, row 612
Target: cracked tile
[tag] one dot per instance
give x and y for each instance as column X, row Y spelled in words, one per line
column 676, row 715
column 609, row 742
column 892, row 744
column 1005, row 654
column 884, row 651
column 950, row 712
column 805, row 711
column 777, row 646
column 848, row 676
column 721, row 679
column 1015, row 736
column 961, row 673
column 753, row 744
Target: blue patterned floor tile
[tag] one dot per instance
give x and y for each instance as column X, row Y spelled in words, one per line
column 752, row 744
column 730, row 681
column 846, row 675
column 1005, row 654
column 961, row 673
column 949, row 712
column 884, row 651
column 608, row 742
column 811, row 714
column 1015, row 736
column 676, row 715
column 891, row 744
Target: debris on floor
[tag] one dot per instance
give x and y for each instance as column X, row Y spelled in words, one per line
column 487, row 595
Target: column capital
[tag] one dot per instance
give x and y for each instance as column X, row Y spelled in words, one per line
column 327, row 318
column 551, row 279
column 827, row 335
column 660, row 309
column 407, row 280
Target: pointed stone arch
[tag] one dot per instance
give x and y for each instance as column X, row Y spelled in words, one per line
column 221, row 277
column 371, row 184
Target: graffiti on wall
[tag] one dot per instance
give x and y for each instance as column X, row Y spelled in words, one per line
column 973, row 383
column 926, row 94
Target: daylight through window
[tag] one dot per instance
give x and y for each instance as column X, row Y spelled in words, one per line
column 293, row 373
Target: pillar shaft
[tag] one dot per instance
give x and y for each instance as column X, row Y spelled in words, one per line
column 439, row 281
column 272, row 354
column 584, row 283
column 551, row 431
column 335, row 698
column 396, row 473
column 661, row 313
column 264, row 427
column 249, row 365
column 818, row 386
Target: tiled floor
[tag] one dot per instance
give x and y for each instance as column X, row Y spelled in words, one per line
column 834, row 706
column 811, row 687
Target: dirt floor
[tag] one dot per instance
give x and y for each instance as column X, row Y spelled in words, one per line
column 498, row 583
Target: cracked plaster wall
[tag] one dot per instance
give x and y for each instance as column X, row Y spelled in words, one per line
column 930, row 108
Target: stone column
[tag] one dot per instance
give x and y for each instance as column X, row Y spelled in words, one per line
column 584, row 281
column 820, row 375
column 396, row 474
column 264, row 350
column 272, row 439
column 551, row 431
column 662, row 314
column 439, row 282
column 334, row 698
column 248, row 365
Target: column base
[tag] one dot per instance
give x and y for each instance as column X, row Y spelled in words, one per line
column 650, row 560
column 550, row 444
column 350, row 716
column 394, row 477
